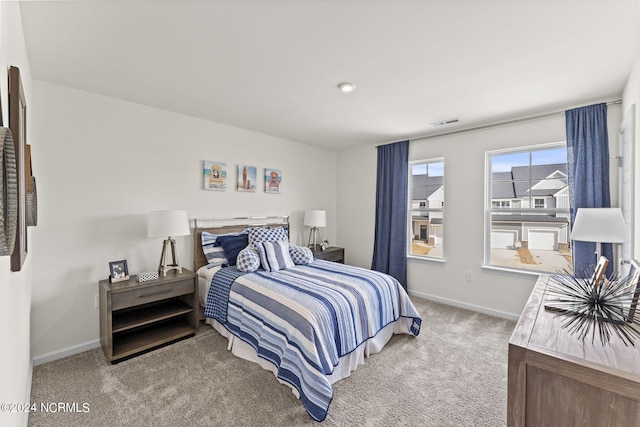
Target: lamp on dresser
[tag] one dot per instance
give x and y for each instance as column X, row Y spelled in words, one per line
column 168, row 223
column 599, row 225
column 314, row 219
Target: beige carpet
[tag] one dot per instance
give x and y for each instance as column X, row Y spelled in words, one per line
column 453, row 374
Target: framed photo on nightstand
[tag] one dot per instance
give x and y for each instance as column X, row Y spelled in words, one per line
column 118, row 271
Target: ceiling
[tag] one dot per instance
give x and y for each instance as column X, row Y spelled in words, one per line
column 273, row 66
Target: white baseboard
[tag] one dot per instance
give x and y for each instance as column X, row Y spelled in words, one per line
column 65, row 352
column 455, row 303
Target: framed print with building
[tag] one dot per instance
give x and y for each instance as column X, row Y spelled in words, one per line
column 247, row 177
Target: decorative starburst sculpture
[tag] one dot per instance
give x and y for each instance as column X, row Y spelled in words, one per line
column 591, row 309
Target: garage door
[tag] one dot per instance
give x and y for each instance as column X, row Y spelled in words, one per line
column 503, row 239
column 543, row 239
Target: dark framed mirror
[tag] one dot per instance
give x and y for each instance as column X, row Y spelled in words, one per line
column 18, row 126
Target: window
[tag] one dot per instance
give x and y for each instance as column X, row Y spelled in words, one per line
column 426, row 208
column 501, row 203
column 527, row 218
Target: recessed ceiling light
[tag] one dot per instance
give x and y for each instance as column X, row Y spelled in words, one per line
column 346, row 87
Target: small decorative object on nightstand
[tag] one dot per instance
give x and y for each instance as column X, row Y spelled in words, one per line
column 118, row 271
column 149, row 275
column 332, row 253
column 139, row 316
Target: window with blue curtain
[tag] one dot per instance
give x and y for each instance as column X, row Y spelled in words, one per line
column 588, row 167
column 390, row 247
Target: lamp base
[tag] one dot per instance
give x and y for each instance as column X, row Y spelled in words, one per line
column 169, row 250
column 313, row 232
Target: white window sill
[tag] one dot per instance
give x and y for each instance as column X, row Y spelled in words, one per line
column 424, row 258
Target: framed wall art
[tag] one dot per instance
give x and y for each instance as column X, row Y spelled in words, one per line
column 215, row 175
column 18, row 126
column 247, row 177
column 9, row 193
column 272, row 180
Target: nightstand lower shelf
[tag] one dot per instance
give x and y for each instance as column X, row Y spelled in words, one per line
column 151, row 313
column 154, row 335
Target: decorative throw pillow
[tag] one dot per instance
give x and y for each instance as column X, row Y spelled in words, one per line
column 266, row 234
column 213, row 251
column 301, row 255
column 232, row 246
column 248, row 260
column 274, row 255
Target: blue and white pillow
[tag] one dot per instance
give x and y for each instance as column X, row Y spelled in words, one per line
column 301, row 255
column 213, row 251
column 275, row 256
column 266, row 234
column 248, row 260
column 232, row 246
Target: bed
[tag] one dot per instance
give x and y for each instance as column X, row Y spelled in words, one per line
column 310, row 322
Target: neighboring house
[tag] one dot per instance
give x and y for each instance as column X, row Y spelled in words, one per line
column 535, row 187
column 524, row 187
column 427, row 192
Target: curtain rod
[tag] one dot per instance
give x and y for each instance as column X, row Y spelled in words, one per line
column 506, row 120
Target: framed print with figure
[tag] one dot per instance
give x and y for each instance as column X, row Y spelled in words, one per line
column 272, row 180
column 215, row 175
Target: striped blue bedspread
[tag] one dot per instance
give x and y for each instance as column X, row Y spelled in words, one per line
column 303, row 319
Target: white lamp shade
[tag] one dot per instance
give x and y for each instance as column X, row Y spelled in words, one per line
column 168, row 223
column 315, row 218
column 605, row 225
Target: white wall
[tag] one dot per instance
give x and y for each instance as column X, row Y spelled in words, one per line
column 491, row 291
column 630, row 96
column 15, row 288
column 102, row 164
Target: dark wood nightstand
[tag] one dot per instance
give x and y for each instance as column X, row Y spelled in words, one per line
column 332, row 253
column 135, row 317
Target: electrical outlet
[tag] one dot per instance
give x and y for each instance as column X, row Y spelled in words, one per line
column 468, row 276
column 97, row 301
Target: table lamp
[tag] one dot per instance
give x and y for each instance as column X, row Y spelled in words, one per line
column 599, row 225
column 314, row 219
column 168, row 223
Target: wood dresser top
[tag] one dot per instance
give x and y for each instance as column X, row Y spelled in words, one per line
column 541, row 331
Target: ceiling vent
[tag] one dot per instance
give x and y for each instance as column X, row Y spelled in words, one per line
column 445, row 122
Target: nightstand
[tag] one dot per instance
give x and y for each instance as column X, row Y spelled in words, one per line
column 332, row 253
column 136, row 317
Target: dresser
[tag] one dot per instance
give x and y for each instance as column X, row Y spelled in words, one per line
column 557, row 379
column 136, row 317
